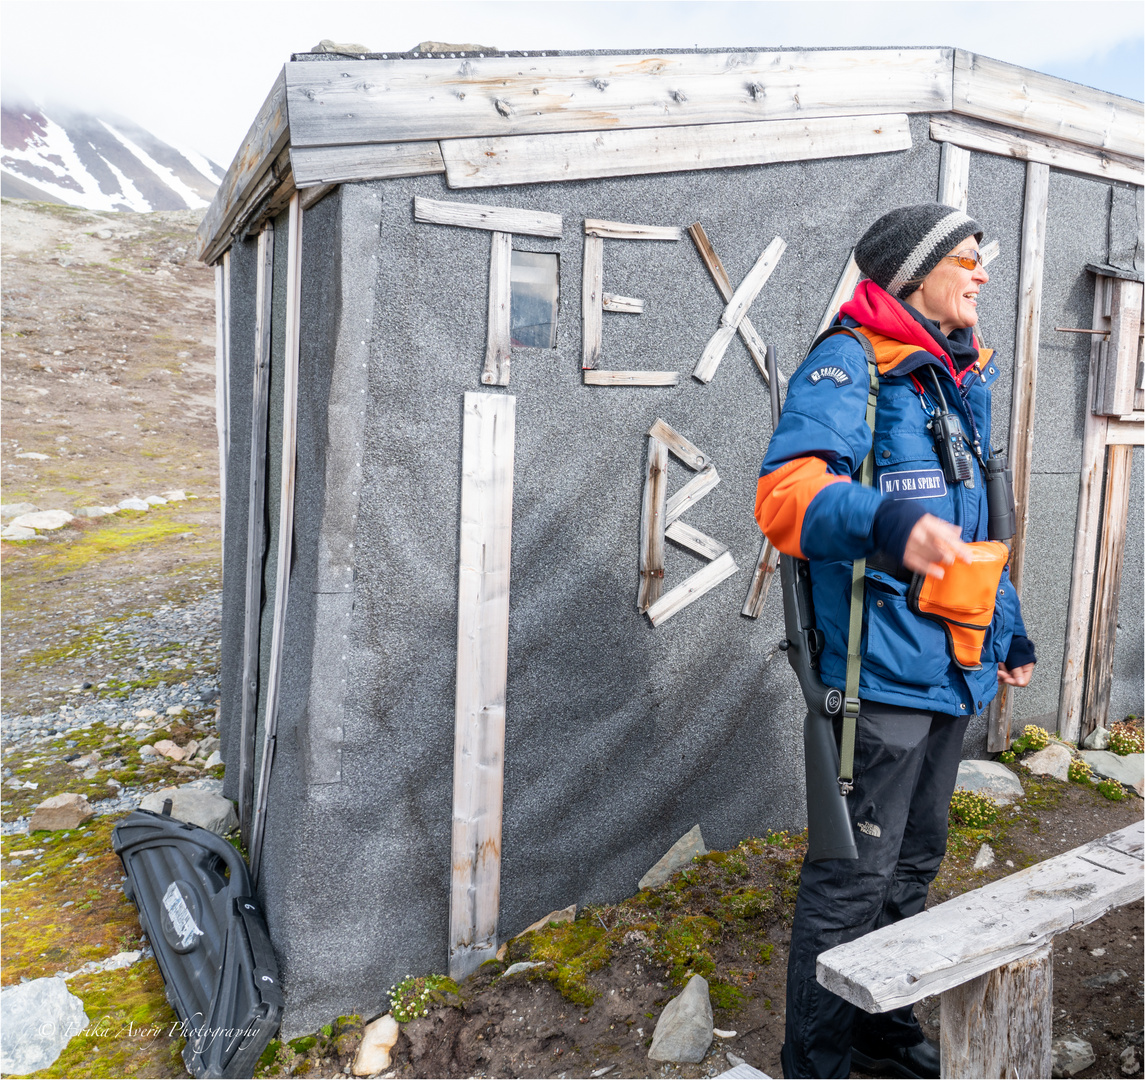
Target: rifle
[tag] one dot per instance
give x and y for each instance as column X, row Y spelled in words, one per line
column 829, row 830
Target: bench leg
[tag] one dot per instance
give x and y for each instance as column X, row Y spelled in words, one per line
column 1000, row 1024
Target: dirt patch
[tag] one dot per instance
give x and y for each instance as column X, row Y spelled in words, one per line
column 593, row 1002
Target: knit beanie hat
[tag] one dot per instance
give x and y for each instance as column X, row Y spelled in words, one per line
column 902, row 247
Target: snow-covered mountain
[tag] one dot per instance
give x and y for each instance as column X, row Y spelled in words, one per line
column 99, row 163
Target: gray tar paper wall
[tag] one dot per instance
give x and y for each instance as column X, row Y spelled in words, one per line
column 620, row 736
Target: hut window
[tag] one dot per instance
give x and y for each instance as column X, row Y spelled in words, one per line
column 534, row 279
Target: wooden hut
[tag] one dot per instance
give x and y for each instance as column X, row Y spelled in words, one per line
column 497, row 620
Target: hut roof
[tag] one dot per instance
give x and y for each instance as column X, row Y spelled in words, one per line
column 486, row 120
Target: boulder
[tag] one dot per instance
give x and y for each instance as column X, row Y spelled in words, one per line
column 677, row 857
column 94, row 511
column 1128, row 770
column 169, row 750
column 146, row 714
column 178, row 495
column 17, row 532
column 66, row 811
column 378, row 1040
column 1052, row 761
column 132, row 504
column 1071, row 1054
column 43, row 519
column 155, row 500
column 14, row 510
column 985, row 857
column 684, row 1031
column 522, row 965
column 1097, row 739
column 31, row 455
column 215, row 759
column 203, row 808
column 39, row 1018
column 990, row 778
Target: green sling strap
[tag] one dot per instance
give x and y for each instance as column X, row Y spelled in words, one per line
column 858, row 576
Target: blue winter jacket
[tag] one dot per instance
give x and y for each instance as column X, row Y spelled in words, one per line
column 906, row 659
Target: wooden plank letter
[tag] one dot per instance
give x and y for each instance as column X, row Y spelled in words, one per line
column 761, row 580
column 487, row 442
column 652, row 524
column 687, row 452
column 691, row 493
column 692, row 588
column 498, row 350
column 755, row 344
column 591, row 300
column 495, row 218
column 737, row 308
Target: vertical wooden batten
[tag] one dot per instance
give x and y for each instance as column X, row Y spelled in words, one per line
column 1021, row 448
column 285, row 525
column 954, row 176
column 1072, row 695
column 256, row 532
column 1111, row 559
column 487, row 447
column 498, row 342
column 222, row 383
column 591, row 301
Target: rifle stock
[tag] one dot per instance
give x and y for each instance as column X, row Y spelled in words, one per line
column 829, row 831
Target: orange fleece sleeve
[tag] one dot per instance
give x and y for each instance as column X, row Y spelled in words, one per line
column 783, row 496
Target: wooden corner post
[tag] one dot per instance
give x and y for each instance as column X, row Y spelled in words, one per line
column 1022, row 404
column 487, row 441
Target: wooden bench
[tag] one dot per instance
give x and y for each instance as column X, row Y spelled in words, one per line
column 989, row 954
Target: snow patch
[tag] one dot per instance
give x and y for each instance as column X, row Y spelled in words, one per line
column 191, row 198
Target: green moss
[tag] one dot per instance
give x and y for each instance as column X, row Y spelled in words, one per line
column 686, row 947
column 570, row 952
column 303, row 1045
column 747, row 903
column 725, row 996
column 132, row 1031
column 765, row 952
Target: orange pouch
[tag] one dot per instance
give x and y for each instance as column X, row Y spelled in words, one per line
column 963, row 600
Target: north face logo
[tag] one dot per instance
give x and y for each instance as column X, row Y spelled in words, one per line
column 836, row 374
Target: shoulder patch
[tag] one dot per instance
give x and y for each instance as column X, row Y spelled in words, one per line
column 829, row 371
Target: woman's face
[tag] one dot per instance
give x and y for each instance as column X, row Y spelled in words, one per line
column 949, row 293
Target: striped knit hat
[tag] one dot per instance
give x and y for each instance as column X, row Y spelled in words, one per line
column 902, row 247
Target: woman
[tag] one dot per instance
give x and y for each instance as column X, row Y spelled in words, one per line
column 924, row 512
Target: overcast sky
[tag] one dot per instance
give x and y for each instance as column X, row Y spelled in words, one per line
column 194, row 72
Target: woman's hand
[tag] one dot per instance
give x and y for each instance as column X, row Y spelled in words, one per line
column 1019, row 676
column 934, row 544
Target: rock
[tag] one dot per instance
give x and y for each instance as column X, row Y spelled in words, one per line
column 1128, row 770
column 567, row 914
column 1097, row 739
column 175, row 710
column 67, row 811
column 14, row 510
column 1052, row 761
column 145, row 714
column 719, row 1033
column 132, row 504
column 155, row 500
column 169, row 750
column 524, row 965
column 678, row 856
column 148, row 751
column 204, row 808
column 32, row 456
column 206, row 784
column 734, row 1059
column 346, row 48
column 93, row 511
column 990, row 778
column 1071, row 1054
column 378, row 1040
column 174, row 496
column 17, row 532
column 43, row 519
column 984, row 858
column 1131, row 1061
column 208, row 746
column 215, row 759
column 684, row 1030
column 1106, row 978
column 39, row 1018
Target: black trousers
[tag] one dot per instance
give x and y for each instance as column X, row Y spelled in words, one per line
column 906, row 765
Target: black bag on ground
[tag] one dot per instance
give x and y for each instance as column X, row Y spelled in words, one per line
column 197, row 907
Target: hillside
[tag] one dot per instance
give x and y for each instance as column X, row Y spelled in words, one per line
column 99, row 163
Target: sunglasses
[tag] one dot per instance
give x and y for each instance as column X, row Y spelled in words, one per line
column 968, row 260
